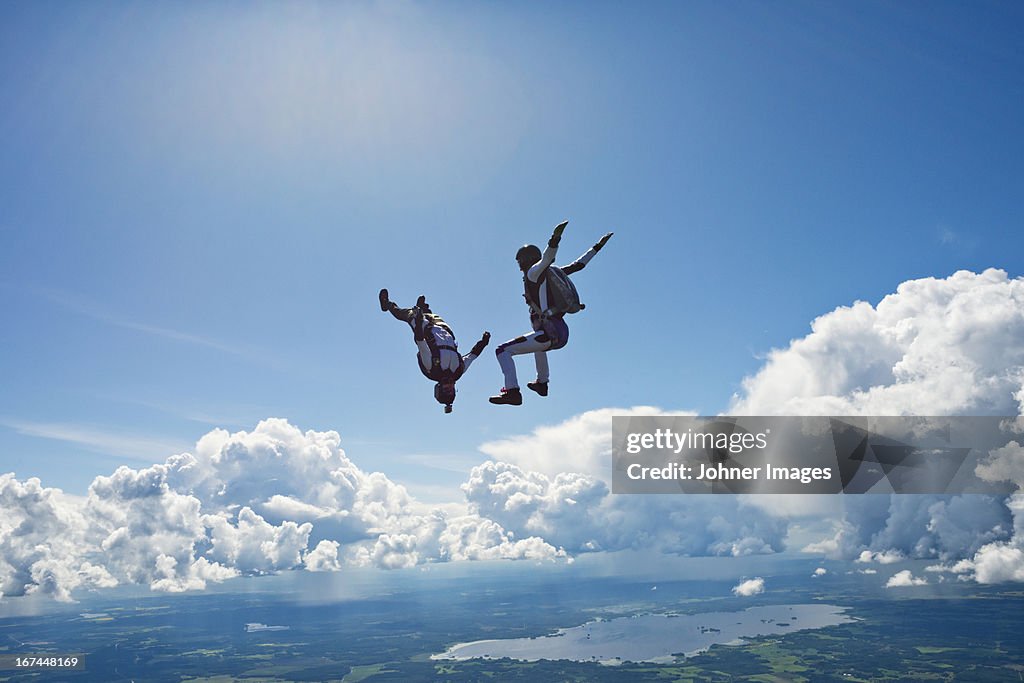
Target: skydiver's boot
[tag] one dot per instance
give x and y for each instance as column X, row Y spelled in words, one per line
column 421, row 303
column 540, row 387
column 385, row 303
column 508, row 397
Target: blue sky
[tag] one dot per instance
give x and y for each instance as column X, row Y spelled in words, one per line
column 200, row 202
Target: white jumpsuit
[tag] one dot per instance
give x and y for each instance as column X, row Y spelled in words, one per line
column 540, row 341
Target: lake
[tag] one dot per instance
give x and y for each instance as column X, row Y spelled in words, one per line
column 653, row 637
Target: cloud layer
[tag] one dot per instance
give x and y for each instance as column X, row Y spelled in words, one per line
column 277, row 498
column 252, row 502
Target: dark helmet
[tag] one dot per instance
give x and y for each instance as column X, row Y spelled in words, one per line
column 527, row 255
column 444, row 392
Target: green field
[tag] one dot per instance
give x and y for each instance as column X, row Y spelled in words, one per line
column 965, row 632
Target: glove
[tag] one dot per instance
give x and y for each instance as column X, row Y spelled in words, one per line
column 556, row 236
column 603, row 241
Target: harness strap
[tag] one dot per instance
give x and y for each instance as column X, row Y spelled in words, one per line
column 422, row 333
column 531, row 290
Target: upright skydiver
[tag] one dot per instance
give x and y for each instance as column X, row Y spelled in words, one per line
column 437, row 350
column 549, row 329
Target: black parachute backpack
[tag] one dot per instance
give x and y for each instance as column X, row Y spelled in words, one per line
column 562, row 295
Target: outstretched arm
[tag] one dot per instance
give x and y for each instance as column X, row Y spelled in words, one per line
column 548, row 257
column 581, row 263
column 477, row 349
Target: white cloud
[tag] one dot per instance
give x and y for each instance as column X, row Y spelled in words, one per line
column 1003, row 464
column 253, row 545
column 553, row 483
column 820, row 571
column 945, row 527
column 887, row 557
column 998, row 556
column 998, row 562
column 472, row 538
column 934, row 347
column 145, row 532
column 252, row 502
column 578, row 513
column 323, row 558
column 565, row 510
column 41, row 536
column 745, row 589
column 580, row 444
column 904, row 578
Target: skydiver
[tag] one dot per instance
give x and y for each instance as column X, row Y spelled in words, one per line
column 437, row 351
column 550, row 331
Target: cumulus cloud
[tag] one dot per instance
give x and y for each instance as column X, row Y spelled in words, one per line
column 1004, row 464
column 272, row 499
column 745, row 589
column 578, row 513
column 41, row 534
column 998, row 561
column 553, row 483
column 472, row 538
column 324, row 557
column 581, row 444
column 277, row 498
column 934, row 347
column 998, row 556
column 875, row 528
column 904, row 578
column 820, row 571
column 887, row 557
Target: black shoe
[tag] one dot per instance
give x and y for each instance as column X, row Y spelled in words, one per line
column 540, row 387
column 421, row 303
column 385, row 303
column 508, row 397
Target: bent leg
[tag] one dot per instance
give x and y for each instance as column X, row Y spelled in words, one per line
column 531, row 343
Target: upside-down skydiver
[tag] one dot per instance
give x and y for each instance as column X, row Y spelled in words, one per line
column 437, row 351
